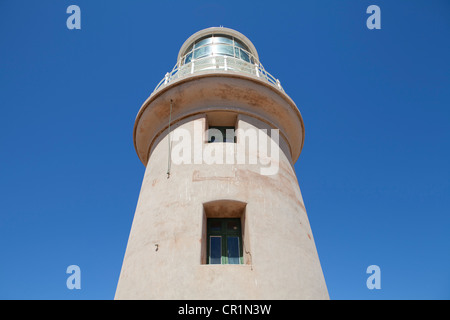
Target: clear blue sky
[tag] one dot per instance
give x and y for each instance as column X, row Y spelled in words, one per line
column 374, row 171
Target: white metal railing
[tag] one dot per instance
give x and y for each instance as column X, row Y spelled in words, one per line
column 218, row 62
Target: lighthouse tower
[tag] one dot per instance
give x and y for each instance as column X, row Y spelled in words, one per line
column 220, row 214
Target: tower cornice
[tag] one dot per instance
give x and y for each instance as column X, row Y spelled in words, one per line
column 210, row 91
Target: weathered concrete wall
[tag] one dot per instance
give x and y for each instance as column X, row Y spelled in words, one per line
column 163, row 258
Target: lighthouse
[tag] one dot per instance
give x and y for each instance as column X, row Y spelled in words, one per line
column 220, row 214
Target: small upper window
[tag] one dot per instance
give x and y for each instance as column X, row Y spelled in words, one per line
column 221, row 134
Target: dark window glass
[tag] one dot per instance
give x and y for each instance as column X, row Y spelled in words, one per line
column 233, row 250
column 215, row 256
column 221, row 134
column 215, row 225
column 233, row 225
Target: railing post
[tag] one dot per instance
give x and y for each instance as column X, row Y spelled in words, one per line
column 214, row 63
column 278, row 84
column 166, row 78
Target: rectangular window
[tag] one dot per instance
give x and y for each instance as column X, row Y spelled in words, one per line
column 221, row 134
column 224, row 241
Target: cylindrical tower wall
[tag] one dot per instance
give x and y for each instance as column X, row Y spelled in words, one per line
column 165, row 256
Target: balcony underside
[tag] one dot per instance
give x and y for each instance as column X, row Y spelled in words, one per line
column 217, row 90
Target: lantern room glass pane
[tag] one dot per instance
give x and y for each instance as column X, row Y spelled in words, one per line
column 203, row 42
column 189, row 48
column 188, row 58
column 223, row 50
column 240, row 45
column 218, row 45
column 245, row 56
column 202, row 52
column 236, row 52
column 222, row 39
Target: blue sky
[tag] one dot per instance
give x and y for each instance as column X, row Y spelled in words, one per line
column 374, row 171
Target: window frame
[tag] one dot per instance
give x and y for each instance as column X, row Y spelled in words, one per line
column 224, row 233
